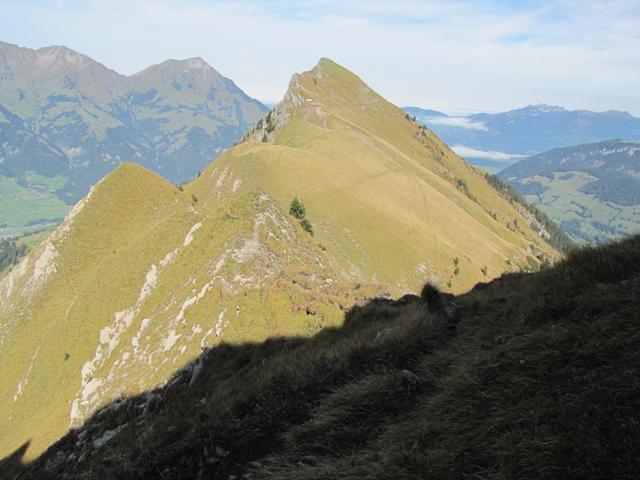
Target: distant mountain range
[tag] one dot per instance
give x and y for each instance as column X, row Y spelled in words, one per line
column 66, row 121
column 592, row 190
column 495, row 140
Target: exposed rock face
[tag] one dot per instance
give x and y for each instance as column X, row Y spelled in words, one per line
column 297, row 100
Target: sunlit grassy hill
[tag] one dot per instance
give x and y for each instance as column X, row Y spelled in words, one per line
column 142, row 275
column 386, row 197
column 135, row 284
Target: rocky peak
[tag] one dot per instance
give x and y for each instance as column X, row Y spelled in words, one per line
column 327, row 87
column 190, row 67
column 59, row 55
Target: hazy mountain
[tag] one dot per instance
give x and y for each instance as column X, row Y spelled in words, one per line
column 142, row 276
column 592, row 190
column 66, row 117
column 495, row 140
column 529, row 376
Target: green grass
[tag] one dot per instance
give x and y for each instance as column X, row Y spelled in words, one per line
column 586, row 218
column 24, row 209
column 536, row 376
column 101, row 267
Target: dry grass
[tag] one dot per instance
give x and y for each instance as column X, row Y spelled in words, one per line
column 536, row 377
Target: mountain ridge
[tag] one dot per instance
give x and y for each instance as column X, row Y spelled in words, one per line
column 166, row 272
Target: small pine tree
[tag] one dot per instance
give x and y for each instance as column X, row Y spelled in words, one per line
column 306, row 226
column 297, row 209
column 194, row 198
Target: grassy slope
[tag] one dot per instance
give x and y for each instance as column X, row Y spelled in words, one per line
column 245, row 272
column 145, row 276
column 535, row 377
column 380, row 191
column 578, row 211
column 74, row 307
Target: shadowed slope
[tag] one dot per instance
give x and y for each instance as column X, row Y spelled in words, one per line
column 536, row 376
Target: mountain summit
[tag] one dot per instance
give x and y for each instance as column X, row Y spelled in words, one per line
column 334, row 197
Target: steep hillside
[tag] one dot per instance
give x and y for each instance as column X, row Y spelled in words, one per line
column 142, row 276
column 529, row 376
column 134, row 284
column 66, row 121
column 386, row 197
column 592, row 191
column 495, row 140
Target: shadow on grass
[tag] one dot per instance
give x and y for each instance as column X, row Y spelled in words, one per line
column 528, row 376
column 232, row 405
column 13, row 464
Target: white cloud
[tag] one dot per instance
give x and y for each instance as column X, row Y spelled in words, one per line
column 457, row 55
column 462, row 122
column 468, row 152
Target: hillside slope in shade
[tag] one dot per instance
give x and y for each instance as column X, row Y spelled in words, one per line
column 529, row 376
column 142, row 275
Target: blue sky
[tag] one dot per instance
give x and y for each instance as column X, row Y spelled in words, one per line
column 456, row 56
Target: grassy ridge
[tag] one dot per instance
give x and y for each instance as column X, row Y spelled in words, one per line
column 389, row 200
column 142, row 275
column 244, row 274
column 534, row 376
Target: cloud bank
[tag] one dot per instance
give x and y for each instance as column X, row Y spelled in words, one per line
column 468, row 152
column 462, row 122
column 457, row 55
